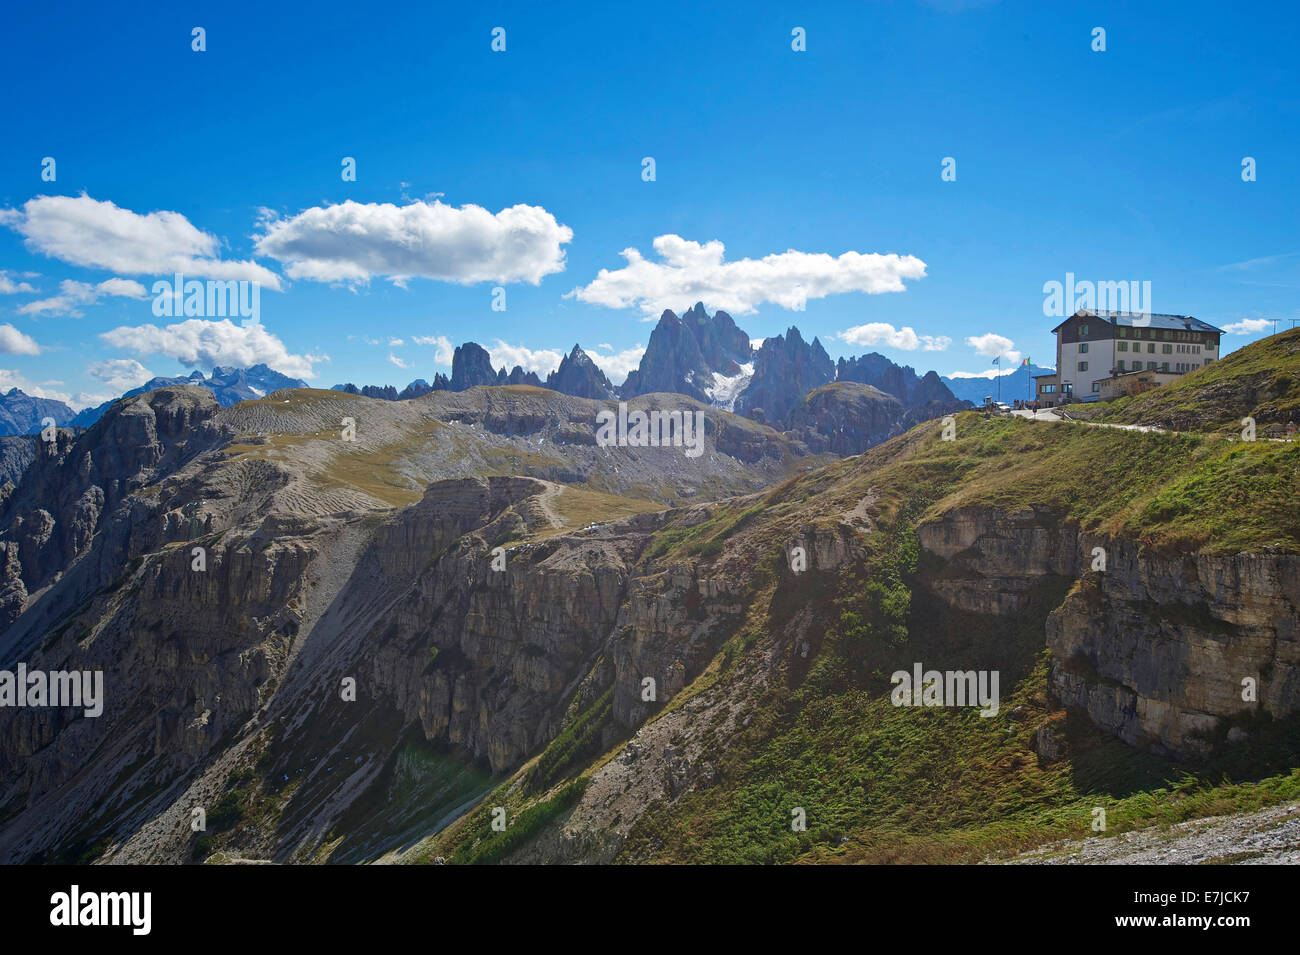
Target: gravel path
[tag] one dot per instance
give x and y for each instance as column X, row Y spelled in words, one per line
column 1268, row 837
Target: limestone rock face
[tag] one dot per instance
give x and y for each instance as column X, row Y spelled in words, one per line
column 1157, row 649
column 1154, row 648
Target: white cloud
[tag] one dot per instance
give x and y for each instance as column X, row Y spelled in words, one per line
column 353, row 241
column 9, row 287
column 14, row 342
column 397, row 361
column 207, row 343
column 445, row 350
column 993, row 346
column 990, row 374
column 886, row 335
column 83, row 399
column 10, row 378
column 618, row 365
column 543, row 361
column 120, row 374
column 1249, row 326
column 73, row 294
column 395, row 343
column 692, row 272
column 86, row 231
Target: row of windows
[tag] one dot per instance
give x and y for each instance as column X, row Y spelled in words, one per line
column 1152, row 366
column 1124, row 331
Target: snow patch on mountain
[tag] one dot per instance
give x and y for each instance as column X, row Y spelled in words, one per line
column 724, row 391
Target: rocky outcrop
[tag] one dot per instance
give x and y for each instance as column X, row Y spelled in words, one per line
column 1154, row 647
column 1181, row 653
column 846, row 418
column 579, row 376
column 785, row 369
column 471, row 366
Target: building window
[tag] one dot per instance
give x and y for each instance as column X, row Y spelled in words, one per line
column 1167, row 349
column 1083, row 349
column 1164, row 366
column 1083, row 331
column 1096, row 386
column 1151, row 366
column 1119, row 366
column 1122, row 346
column 1151, row 348
column 1083, row 366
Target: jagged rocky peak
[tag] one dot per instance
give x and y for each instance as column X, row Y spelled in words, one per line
column 695, row 355
column 901, row 381
column 518, row 376
column 579, row 376
column 785, row 369
column 471, row 365
column 725, row 346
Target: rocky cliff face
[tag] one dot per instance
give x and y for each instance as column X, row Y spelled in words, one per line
column 1154, row 647
column 307, row 581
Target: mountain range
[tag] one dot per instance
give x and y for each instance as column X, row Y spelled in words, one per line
column 1018, row 384
column 710, row 359
column 705, row 357
column 371, row 647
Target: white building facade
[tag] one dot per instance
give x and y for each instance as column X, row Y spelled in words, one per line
column 1094, row 346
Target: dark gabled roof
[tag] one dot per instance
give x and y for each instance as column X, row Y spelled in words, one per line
column 1182, row 323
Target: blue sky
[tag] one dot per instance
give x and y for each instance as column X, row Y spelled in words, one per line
column 1117, row 165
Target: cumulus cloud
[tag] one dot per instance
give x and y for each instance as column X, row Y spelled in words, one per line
column 120, row 374
column 73, row 294
column 353, row 241
column 1248, row 326
column 691, row 272
column 10, row 378
column 617, row 365
column 543, row 360
column 199, row 342
column 445, row 350
column 995, row 346
column 99, row 234
column 886, row 335
column 14, row 342
column 397, row 361
column 9, row 287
